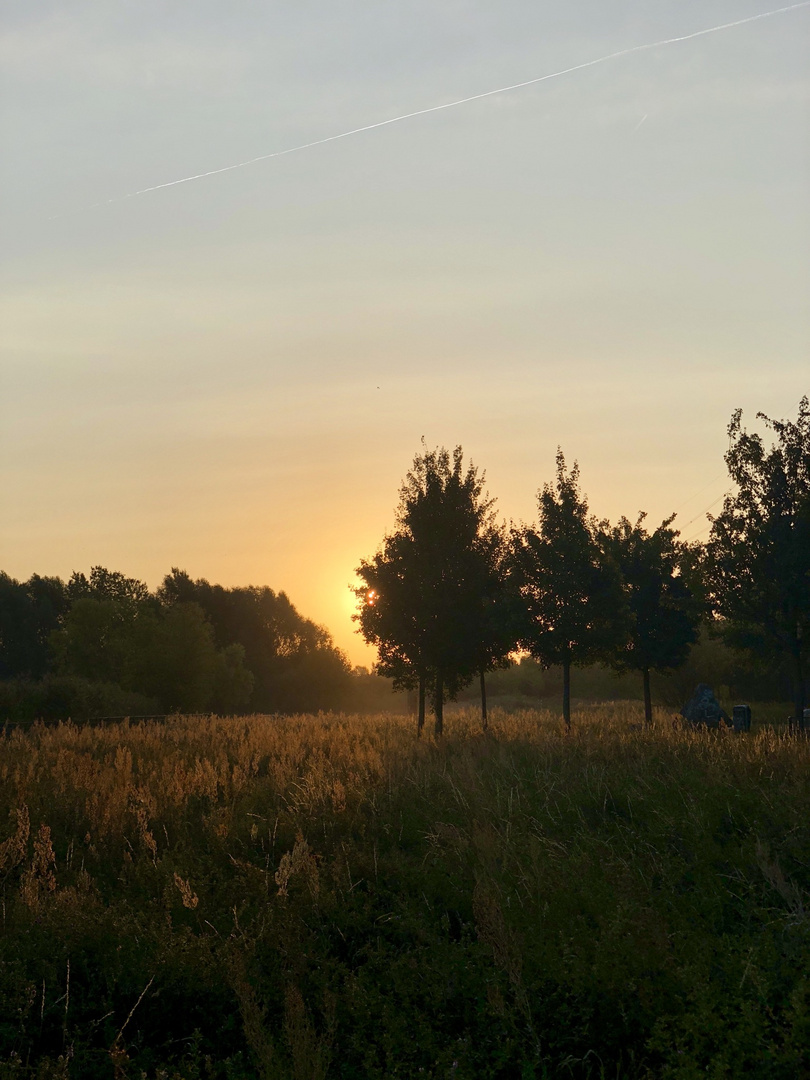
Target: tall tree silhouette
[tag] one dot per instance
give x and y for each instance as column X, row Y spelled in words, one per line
column 30, row 611
column 574, row 611
column 391, row 616
column 492, row 626
column 430, row 594
column 663, row 614
column 758, row 555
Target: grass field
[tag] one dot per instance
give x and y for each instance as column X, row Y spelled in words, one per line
column 324, row 896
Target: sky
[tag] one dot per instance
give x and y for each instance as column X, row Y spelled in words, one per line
column 232, row 375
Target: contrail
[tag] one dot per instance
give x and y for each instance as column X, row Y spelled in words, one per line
column 462, row 101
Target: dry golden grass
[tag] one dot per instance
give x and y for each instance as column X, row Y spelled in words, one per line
column 600, row 862
column 129, row 774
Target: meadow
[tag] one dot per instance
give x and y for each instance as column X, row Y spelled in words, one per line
column 325, row 896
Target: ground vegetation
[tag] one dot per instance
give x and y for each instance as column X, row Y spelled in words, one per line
column 325, row 897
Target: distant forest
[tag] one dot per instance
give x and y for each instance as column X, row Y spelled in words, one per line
column 103, row 644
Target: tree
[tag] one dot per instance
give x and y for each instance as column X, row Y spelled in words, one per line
column 492, row 629
column 117, row 634
column 390, row 616
column 758, row 554
column 30, row 611
column 176, row 660
column 95, row 641
column 663, row 614
column 431, row 594
column 296, row 666
column 112, row 585
column 572, row 597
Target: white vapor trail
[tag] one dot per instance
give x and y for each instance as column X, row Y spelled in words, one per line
column 463, row 101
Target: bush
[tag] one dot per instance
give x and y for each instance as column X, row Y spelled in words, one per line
column 61, row 697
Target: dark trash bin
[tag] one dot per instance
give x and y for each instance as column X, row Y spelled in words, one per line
column 741, row 717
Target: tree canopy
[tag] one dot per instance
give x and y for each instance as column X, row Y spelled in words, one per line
column 758, row 555
column 295, row 665
column 29, row 613
column 103, row 643
column 432, row 597
column 662, row 613
column 573, row 603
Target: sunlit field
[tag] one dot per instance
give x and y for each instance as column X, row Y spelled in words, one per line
column 326, row 896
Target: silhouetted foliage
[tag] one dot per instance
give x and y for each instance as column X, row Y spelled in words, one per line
column 177, row 662
column 111, row 585
column 104, row 644
column 29, row 613
column 735, row 676
column 165, row 653
column 663, row 614
column 492, row 631
column 573, row 604
column 294, row 662
column 433, row 598
column 390, row 617
column 446, row 599
column 95, row 641
column 758, row 559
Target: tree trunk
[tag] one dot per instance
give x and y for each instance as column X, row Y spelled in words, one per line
column 647, row 697
column 420, row 717
column 567, row 693
column 484, row 721
column 439, row 704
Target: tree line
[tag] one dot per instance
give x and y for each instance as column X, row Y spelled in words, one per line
column 104, row 644
column 451, row 594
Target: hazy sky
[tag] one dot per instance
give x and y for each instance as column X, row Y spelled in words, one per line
column 233, row 375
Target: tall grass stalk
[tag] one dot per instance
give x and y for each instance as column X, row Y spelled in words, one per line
column 329, row 896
